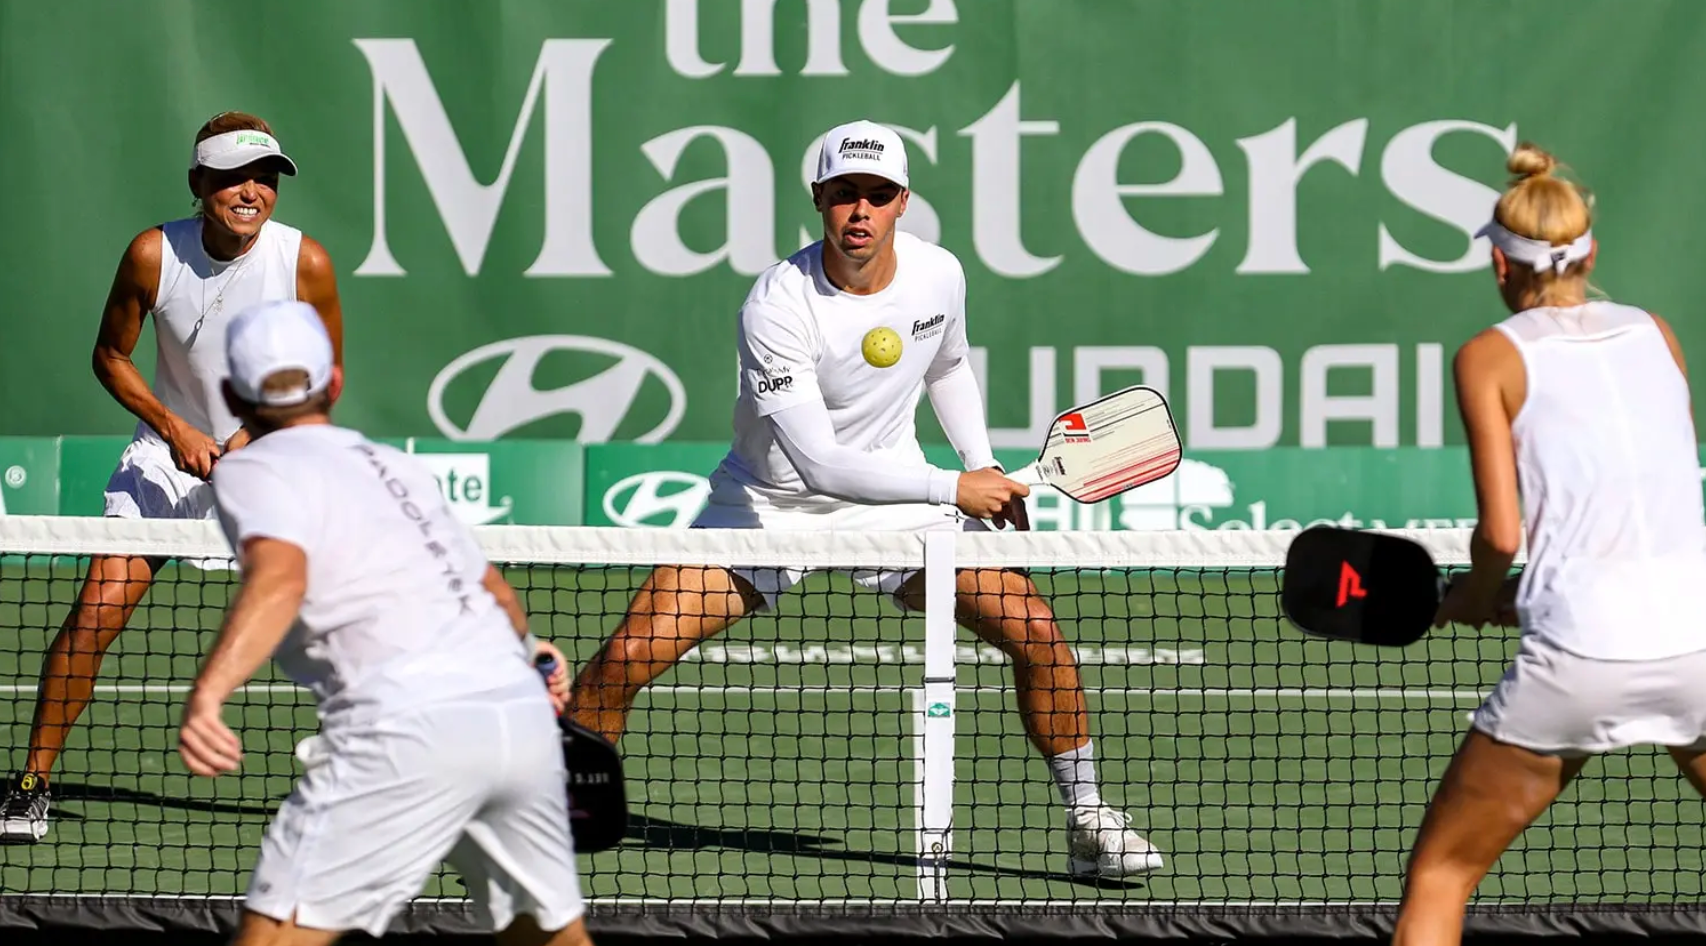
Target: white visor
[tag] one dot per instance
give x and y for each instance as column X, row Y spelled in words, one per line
column 1538, row 254
column 235, row 149
column 273, row 337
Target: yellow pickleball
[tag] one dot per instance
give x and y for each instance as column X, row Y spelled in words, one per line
column 881, row 347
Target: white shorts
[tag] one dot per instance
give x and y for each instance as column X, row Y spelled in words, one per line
column 729, row 508
column 478, row 782
column 1555, row 702
column 148, row 485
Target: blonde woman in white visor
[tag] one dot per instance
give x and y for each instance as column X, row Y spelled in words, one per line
column 191, row 275
column 1582, row 441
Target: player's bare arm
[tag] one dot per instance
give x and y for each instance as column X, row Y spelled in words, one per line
column 317, row 285
column 275, row 579
column 558, row 682
column 1489, row 375
column 135, row 287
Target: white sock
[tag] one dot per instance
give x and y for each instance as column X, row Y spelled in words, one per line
column 1075, row 776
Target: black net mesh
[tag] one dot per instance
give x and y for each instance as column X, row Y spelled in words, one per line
column 779, row 761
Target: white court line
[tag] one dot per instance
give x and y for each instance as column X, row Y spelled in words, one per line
column 1306, row 693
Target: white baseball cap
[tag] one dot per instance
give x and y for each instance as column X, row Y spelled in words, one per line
column 862, row 147
column 273, row 337
column 235, row 149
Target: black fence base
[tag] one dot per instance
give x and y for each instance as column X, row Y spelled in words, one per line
column 843, row 922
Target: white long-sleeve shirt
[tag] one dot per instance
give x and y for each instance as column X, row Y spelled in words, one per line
column 815, row 423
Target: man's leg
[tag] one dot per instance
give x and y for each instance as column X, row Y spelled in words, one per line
column 676, row 609
column 110, row 593
column 1004, row 609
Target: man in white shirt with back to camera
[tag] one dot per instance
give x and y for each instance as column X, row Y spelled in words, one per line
column 439, row 739
column 836, row 343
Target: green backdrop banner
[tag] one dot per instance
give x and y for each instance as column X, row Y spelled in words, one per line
column 528, row 483
column 544, row 215
column 1284, row 488
column 29, row 476
column 664, row 485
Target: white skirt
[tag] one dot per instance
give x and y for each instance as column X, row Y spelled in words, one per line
column 1555, row 702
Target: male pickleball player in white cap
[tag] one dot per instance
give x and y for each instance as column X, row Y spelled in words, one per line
column 191, row 275
column 438, row 737
column 836, row 343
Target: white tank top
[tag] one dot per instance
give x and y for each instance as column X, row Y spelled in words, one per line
column 198, row 297
column 1611, row 488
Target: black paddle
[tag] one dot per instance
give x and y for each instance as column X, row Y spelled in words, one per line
column 1365, row 587
column 598, row 799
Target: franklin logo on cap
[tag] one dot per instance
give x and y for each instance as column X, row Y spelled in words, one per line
column 234, row 149
column 273, row 337
column 862, row 147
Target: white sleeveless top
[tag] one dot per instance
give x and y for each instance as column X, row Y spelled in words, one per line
column 1611, row 487
column 198, row 297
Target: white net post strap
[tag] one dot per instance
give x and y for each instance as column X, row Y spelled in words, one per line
column 933, row 721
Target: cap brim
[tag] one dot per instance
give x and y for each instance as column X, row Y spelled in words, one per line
column 245, row 156
column 874, row 172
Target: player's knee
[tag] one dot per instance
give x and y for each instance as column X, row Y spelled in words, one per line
column 105, row 606
column 1439, row 874
column 630, row 660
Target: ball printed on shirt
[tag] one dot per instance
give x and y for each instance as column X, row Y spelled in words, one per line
column 881, row 347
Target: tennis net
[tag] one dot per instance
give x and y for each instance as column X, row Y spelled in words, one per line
column 837, row 758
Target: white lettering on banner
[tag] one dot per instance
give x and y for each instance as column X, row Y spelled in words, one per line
column 1201, row 363
column 995, row 188
column 1099, row 211
column 1430, row 408
column 469, row 209
column 748, row 191
column 884, row 46
column 601, row 402
column 1089, row 361
column 823, row 38
column 562, row 87
column 464, row 479
column 1275, row 170
column 1319, row 407
column 1408, row 168
column 1268, row 408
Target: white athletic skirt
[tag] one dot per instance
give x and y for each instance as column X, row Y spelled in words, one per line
column 148, row 485
column 1555, row 702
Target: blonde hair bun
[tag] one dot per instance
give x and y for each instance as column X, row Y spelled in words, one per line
column 1530, row 160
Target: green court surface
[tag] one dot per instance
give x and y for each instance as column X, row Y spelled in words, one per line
column 778, row 763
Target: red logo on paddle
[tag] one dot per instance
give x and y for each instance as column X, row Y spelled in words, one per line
column 1077, row 431
column 1350, row 584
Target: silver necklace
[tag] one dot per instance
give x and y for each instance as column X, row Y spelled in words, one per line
column 218, row 306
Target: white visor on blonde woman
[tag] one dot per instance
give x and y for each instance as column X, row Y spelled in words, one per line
column 235, row 149
column 1537, row 253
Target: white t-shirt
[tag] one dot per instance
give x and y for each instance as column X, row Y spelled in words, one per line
column 801, row 339
column 395, row 612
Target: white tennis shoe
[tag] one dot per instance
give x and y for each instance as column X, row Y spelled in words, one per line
column 1101, row 843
